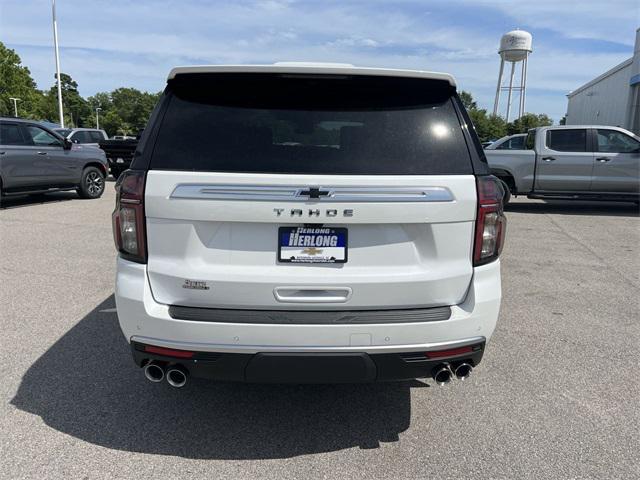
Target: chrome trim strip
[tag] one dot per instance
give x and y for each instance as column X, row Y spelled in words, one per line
column 284, row 193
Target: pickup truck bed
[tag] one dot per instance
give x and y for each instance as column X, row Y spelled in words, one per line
column 119, row 154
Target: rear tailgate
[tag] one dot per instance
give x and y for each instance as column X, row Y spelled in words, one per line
column 400, row 254
column 238, row 158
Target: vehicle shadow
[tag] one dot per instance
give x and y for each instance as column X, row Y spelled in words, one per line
column 86, row 385
column 571, row 207
column 36, row 199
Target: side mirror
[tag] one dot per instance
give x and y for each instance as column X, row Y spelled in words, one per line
column 67, row 144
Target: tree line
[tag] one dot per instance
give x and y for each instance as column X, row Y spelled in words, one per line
column 492, row 127
column 122, row 111
column 125, row 110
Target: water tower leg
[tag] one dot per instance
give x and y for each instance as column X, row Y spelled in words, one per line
column 523, row 92
column 513, row 71
column 497, row 101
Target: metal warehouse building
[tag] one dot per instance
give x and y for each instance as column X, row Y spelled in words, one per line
column 613, row 98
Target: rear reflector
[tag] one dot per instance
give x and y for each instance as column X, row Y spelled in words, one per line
column 168, row 352
column 449, row 353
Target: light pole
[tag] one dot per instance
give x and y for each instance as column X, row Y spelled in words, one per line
column 97, row 117
column 15, row 101
column 55, row 43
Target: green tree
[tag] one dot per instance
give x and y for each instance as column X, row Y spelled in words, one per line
column 467, row 100
column 123, row 111
column 74, row 106
column 488, row 127
column 16, row 81
column 528, row 121
column 491, row 127
column 100, row 100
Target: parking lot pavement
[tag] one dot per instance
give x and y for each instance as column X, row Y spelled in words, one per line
column 555, row 397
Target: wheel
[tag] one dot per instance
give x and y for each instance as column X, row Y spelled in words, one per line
column 92, row 183
column 507, row 192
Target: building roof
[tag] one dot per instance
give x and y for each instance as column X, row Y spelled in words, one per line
column 312, row 68
column 599, row 78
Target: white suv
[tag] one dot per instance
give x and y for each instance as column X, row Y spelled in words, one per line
column 309, row 224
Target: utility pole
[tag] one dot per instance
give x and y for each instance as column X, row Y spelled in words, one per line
column 15, row 101
column 55, row 44
column 97, row 117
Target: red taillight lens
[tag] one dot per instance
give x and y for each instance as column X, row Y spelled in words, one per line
column 128, row 217
column 490, row 221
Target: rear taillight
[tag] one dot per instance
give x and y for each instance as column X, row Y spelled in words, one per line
column 490, row 222
column 128, row 217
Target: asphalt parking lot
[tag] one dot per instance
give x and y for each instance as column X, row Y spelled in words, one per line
column 556, row 395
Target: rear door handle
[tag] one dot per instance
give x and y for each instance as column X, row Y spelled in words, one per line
column 42, row 153
column 548, row 159
column 1, row 153
column 603, row 159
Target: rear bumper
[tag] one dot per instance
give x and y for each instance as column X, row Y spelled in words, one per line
column 145, row 321
column 351, row 367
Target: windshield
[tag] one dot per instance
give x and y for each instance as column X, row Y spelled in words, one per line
column 313, row 125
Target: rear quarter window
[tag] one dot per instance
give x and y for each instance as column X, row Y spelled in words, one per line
column 304, row 124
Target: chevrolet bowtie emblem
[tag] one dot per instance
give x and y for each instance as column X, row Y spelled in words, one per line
column 311, row 251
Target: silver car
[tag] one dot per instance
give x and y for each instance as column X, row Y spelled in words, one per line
column 34, row 159
column 84, row 136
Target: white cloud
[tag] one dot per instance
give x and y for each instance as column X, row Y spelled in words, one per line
column 610, row 20
column 113, row 44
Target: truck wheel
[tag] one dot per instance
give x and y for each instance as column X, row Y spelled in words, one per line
column 91, row 183
column 507, row 192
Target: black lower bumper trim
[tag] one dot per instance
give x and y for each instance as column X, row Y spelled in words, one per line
column 309, row 317
column 277, row 367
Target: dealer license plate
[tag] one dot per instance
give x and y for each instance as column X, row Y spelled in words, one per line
column 312, row 245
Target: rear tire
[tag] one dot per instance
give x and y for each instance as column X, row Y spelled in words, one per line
column 91, row 183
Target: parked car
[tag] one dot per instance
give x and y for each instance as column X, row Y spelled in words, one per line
column 34, row 159
column 337, row 224
column 119, row 154
column 85, row 136
column 572, row 162
column 510, row 142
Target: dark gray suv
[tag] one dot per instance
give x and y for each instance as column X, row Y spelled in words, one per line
column 34, row 159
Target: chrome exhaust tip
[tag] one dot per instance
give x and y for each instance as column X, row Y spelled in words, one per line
column 443, row 375
column 154, row 372
column 463, row 371
column 177, row 376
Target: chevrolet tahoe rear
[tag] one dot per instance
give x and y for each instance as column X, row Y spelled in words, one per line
column 308, row 224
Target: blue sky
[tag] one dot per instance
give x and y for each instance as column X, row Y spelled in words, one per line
column 108, row 44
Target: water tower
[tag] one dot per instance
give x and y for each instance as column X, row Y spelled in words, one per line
column 515, row 47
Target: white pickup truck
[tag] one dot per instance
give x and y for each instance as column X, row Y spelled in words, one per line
column 572, row 162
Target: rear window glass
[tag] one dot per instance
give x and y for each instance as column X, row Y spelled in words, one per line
column 310, row 125
column 10, row 134
column 567, row 140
